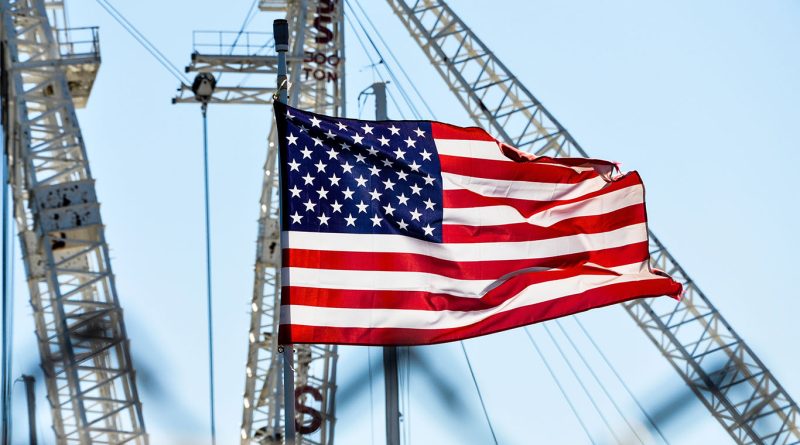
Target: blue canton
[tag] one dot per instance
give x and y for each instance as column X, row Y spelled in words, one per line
column 352, row 176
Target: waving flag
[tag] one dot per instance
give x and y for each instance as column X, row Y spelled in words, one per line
column 418, row 232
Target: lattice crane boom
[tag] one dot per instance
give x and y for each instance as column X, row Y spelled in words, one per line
column 81, row 335
column 730, row 380
column 316, row 82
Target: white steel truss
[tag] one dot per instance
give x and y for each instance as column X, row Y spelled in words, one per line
column 315, row 365
column 730, row 380
column 80, row 330
column 316, row 66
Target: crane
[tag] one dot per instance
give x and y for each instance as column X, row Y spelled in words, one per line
column 718, row 366
column 48, row 72
column 317, row 78
column 724, row 373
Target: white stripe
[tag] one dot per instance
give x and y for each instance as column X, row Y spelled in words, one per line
column 384, row 280
column 565, row 245
column 500, row 215
column 532, row 191
column 470, row 149
column 416, row 281
column 421, row 319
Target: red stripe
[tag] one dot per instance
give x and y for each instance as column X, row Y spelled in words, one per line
column 606, row 222
column 548, row 310
column 462, row 270
column 513, row 171
column 440, row 130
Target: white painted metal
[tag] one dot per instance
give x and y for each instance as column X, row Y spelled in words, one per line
column 80, row 330
column 313, row 86
column 314, row 364
column 726, row 375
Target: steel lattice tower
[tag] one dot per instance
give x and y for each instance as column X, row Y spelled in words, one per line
column 702, row 347
column 316, row 82
column 83, row 345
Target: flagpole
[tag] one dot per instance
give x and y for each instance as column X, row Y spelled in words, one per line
column 280, row 29
column 389, row 352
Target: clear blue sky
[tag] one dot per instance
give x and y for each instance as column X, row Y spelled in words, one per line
column 699, row 97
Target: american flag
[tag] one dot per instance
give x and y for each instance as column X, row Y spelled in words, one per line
column 419, row 232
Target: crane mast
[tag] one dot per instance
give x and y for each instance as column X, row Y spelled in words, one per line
column 85, row 356
column 719, row 367
column 316, row 82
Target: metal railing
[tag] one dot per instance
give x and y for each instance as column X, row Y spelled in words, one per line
column 233, row 43
column 78, row 42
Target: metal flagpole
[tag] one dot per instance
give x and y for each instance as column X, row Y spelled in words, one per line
column 280, row 29
column 389, row 352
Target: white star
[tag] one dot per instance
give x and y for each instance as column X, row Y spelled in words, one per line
column 388, row 209
column 357, row 139
column 324, row 220
column 345, row 146
column 336, row 207
column 315, row 122
column 360, row 157
column 322, row 193
column 330, row 135
column 362, row 208
column 334, row 179
column 401, row 175
column 374, row 171
column 428, row 180
column 350, row 220
column 415, row 189
column 419, row 132
column 303, row 129
column 387, row 162
column 317, row 141
column 289, row 115
column 295, row 192
column 429, row 204
column 361, row 181
column 308, row 179
column 347, row 168
column 425, row 155
column 294, row 166
column 341, row 126
column 331, row 153
column 399, row 153
column 403, row 225
column 292, row 139
column 388, row 184
column 414, row 166
column 394, row 130
column 367, row 129
column 383, row 141
column 402, row 198
column 372, row 151
column 306, row 153
column 376, row 220
column 428, row 230
column 415, row 215
column 376, row 195
column 348, row 194
column 309, row 206
column 410, row 142
column 296, row 218
column 320, row 166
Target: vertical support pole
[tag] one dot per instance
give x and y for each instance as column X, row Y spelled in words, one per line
column 30, row 395
column 280, row 29
column 389, row 352
column 209, row 300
